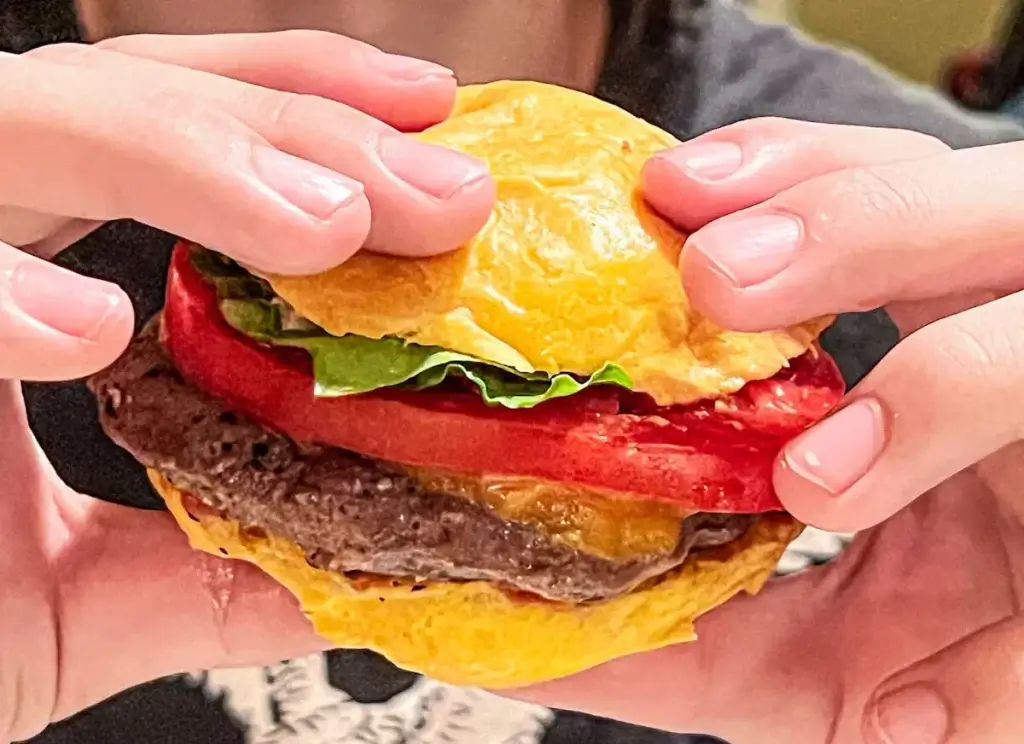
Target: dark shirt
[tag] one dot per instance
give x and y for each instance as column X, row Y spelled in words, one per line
column 687, row 65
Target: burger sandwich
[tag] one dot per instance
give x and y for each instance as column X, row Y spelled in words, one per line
column 497, row 466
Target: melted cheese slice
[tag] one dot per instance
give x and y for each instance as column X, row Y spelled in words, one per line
column 610, row 527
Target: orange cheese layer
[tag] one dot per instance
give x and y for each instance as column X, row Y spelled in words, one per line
column 606, row 525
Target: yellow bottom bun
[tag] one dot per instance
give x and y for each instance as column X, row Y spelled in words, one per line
column 474, row 634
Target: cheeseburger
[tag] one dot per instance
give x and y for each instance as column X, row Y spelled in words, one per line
column 496, row 466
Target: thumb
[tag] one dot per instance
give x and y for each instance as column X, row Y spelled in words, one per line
column 55, row 324
column 968, row 693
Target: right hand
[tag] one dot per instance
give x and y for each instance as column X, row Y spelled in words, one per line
column 283, row 151
column 915, row 635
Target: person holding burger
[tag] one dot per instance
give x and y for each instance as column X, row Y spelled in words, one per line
column 238, row 149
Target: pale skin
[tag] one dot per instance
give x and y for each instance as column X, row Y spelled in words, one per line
column 809, row 660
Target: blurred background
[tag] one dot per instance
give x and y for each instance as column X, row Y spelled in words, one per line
column 971, row 49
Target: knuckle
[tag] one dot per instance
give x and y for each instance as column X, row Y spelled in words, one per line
column 887, row 193
column 841, row 204
column 974, row 358
column 274, row 109
column 182, row 117
column 304, row 122
column 969, row 355
column 182, row 134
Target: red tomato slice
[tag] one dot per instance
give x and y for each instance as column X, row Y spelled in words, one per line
column 712, row 456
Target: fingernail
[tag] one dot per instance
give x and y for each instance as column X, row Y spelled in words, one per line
column 842, row 448
column 317, row 191
column 912, row 715
column 706, row 161
column 749, row 250
column 409, row 69
column 436, row 171
column 62, row 300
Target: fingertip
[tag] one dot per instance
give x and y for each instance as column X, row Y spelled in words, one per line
column 407, row 93
column 412, row 106
column 696, row 182
column 660, row 177
column 704, row 160
column 58, row 325
column 711, row 292
column 807, row 502
column 473, row 205
column 328, row 213
column 821, row 476
column 116, row 330
column 446, row 226
column 432, row 199
column 329, row 244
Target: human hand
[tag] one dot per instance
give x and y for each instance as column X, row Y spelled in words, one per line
column 796, row 220
column 284, row 152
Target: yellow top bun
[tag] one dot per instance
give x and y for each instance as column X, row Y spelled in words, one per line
column 572, row 271
column 471, row 633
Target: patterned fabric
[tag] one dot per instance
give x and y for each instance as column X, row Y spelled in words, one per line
column 295, row 703
column 688, row 65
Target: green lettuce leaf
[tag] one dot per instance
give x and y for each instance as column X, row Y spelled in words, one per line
column 353, row 364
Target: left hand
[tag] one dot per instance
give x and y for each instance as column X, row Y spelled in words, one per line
column 247, row 142
column 918, row 628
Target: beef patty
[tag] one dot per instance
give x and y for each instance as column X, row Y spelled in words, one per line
column 349, row 512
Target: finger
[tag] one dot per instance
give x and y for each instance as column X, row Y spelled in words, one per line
column 862, row 238
column 100, row 147
column 969, row 693
column 744, row 164
column 138, row 603
column 55, row 324
column 407, row 93
column 945, row 398
column 424, row 199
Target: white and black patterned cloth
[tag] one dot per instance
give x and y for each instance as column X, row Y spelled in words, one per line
column 688, row 65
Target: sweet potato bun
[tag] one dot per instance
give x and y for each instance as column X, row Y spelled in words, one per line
column 572, row 271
